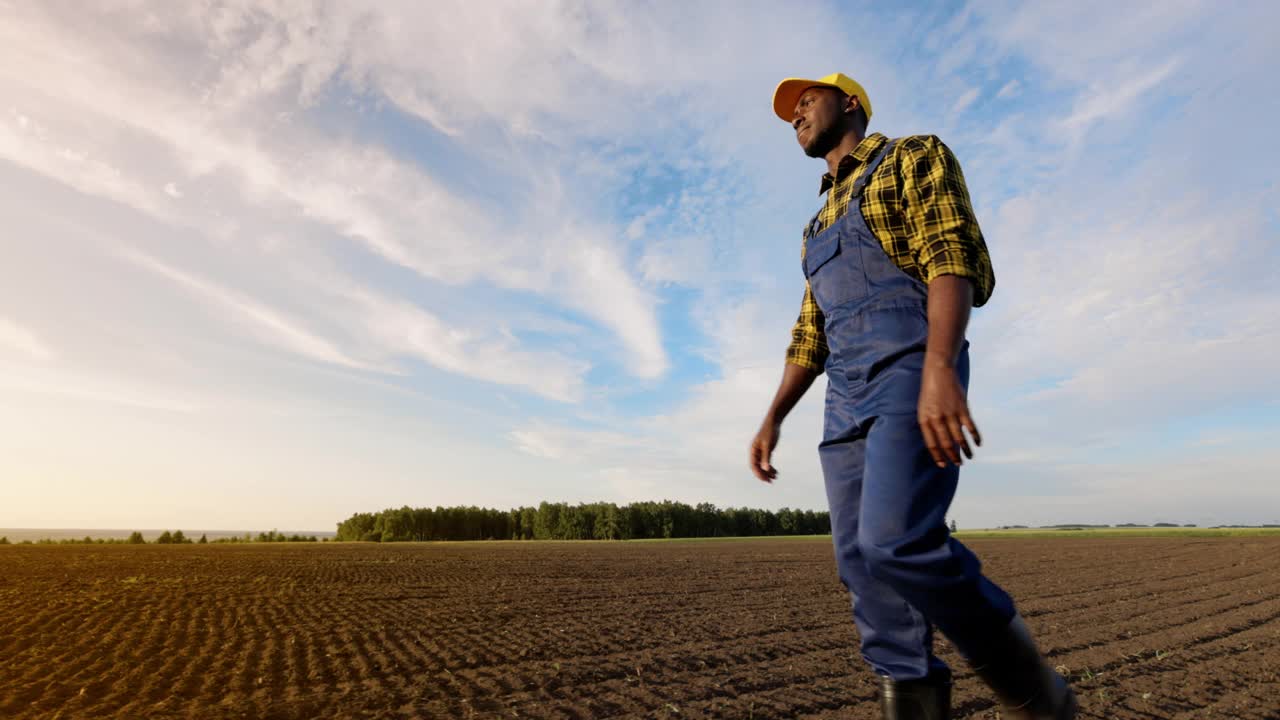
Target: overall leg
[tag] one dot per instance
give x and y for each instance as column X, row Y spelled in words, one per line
column 896, row 639
column 903, row 536
column 904, row 539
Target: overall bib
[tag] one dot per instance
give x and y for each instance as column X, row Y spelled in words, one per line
column 887, row 497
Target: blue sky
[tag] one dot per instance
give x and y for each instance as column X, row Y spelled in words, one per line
column 268, row 265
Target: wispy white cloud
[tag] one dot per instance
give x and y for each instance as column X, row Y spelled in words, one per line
column 98, row 390
column 16, row 337
column 1105, row 100
column 1067, row 42
column 965, row 100
column 399, row 328
column 29, row 143
column 269, row 325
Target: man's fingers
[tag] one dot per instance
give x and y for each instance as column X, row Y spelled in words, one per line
column 763, row 451
column 944, row 447
column 931, row 442
column 947, row 442
column 754, row 462
column 769, row 473
column 760, row 474
column 760, row 466
column 957, row 435
column 972, row 428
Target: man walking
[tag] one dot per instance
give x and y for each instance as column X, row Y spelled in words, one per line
column 893, row 263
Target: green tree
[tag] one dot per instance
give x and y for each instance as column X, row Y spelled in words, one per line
column 135, row 538
column 396, row 525
column 787, row 523
column 607, row 526
column 547, row 521
column 204, row 540
column 707, row 520
column 179, row 538
column 528, row 518
column 355, row 527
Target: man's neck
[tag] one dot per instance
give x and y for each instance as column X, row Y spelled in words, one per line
column 843, row 148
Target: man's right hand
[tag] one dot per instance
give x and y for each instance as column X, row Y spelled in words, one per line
column 795, row 381
column 762, row 449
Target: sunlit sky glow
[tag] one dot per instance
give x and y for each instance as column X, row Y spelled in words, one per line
column 265, row 264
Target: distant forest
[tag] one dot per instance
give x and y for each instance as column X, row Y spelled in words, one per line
column 584, row 521
column 177, row 537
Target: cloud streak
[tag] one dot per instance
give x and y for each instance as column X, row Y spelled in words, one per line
column 16, row 337
column 269, row 325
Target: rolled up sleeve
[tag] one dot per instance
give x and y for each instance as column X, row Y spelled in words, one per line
column 944, row 234
column 808, row 347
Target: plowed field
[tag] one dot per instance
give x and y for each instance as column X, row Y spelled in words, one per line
column 1146, row 628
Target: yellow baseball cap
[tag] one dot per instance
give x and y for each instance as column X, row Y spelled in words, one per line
column 790, row 90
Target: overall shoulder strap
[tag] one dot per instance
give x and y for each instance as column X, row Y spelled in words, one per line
column 858, row 186
column 865, row 177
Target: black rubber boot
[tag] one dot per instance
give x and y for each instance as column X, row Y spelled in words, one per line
column 1025, row 685
column 925, row 699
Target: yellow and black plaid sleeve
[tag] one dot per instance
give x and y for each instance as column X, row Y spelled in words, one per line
column 808, row 347
column 943, row 230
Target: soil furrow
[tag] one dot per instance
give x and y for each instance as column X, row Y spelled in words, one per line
column 1147, row 628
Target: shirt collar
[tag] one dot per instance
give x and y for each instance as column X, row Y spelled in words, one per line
column 854, row 161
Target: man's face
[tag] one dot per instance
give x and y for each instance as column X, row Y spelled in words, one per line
column 817, row 120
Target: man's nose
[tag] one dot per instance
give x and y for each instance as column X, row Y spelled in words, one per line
column 796, row 117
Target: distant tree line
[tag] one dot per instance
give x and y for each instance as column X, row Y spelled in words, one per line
column 1265, row 525
column 1088, row 526
column 269, row 536
column 177, row 537
column 584, row 521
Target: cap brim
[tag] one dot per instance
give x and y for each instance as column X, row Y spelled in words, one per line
column 788, row 94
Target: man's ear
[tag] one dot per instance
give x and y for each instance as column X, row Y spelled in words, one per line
column 852, row 103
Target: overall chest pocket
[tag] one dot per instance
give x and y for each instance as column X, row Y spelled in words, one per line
column 832, row 263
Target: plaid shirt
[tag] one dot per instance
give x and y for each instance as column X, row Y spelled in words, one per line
column 917, row 205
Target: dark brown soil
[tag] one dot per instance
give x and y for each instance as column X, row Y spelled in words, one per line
column 1145, row 627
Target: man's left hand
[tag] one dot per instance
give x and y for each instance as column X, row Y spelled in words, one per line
column 943, row 411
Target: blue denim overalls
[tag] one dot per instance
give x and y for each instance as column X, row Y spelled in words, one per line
column 888, row 499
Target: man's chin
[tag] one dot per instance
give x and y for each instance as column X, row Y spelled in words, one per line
column 813, row 151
